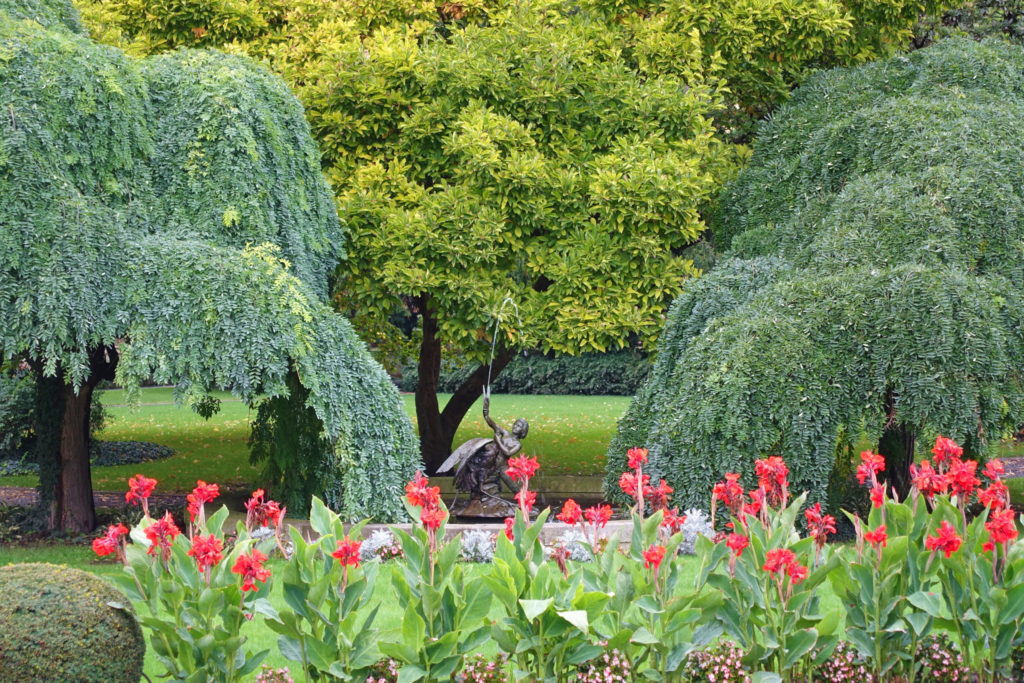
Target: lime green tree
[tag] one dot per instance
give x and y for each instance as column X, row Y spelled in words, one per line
column 873, row 286
column 167, row 218
column 557, row 154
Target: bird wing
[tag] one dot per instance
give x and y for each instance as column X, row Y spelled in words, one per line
column 461, row 454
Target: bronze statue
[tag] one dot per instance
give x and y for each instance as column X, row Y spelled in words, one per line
column 480, row 465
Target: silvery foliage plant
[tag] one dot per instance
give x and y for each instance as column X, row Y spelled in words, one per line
column 478, row 546
column 696, row 524
column 371, row 547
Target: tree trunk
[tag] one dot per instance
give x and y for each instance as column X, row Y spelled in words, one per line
column 75, row 511
column 897, row 445
column 63, row 445
column 436, row 427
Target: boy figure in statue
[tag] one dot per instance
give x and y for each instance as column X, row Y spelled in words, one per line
column 480, row 466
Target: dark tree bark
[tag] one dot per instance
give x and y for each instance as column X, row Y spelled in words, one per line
column 897, row 445
column 437, row 427
column 63, row 444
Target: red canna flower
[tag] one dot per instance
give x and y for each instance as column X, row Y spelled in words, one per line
column 753, row 508
column 571, row 513
column 778, row 559
column 962, row 479
column 796, row 572
column 598, row 515
column 110, row 542
column 737, row 543
column 994, row 469
column 161, row 535
column 658, row 495
column 871, row 464
column 509, row 523
column 260, row 512
column 140, row 488
column 526, row 499
column 522, row 468
column 988, row 546
column 877, row 537
column 819, row 526
column 201, row 494
column 628, row 483
column 927, row 480
column 673, row 521
column 946, row 540
column 206, row 551
column 636, row 458
column 729, row 492
column 877, row 495
column 946, row 450
column 432, row 517
column 653, row 556
column 420, row 494
column 996, row 496
column 1001, row 526
column 250, row 568
column 772, row 475
column 347, row 553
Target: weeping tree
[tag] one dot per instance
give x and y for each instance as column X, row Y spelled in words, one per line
column 167, row 218
column 873, row 286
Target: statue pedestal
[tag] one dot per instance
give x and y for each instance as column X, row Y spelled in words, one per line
column 488, row 508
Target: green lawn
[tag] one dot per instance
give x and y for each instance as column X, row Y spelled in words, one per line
column 568, row 433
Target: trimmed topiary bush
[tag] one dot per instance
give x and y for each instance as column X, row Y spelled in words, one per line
column 58, row 624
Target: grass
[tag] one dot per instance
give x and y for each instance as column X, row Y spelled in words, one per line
column 568, row 433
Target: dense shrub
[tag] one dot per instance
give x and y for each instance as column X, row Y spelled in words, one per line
column 60, row 623
column 205, row 239
column 976, row 19
column 17, row 400
column 591, row 374
column 873, row 286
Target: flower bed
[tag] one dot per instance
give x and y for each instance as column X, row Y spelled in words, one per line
column 928, row 591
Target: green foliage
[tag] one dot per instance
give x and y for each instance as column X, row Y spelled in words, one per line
column 57, row 14
column 59, row 623
column 976, row 19
column 204, row 237
column 876, row 249
column 196, row 617
column 590, row 374
column 17, row 400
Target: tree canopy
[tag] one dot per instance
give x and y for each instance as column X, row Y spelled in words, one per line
column 168, row 216
column 558, row 154
column 873, row 286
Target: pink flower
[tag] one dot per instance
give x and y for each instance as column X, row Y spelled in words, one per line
column 877, row 495
column 526, row 499
column 598, row 515
column 260, row 512
column 509, row 523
